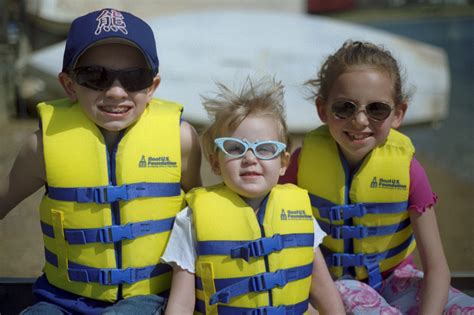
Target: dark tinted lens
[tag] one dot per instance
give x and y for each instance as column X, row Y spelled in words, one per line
column 101, row 78
column 96, row 78
column 378, row 111
column 233, row 148
column 136, row 79
column 343, row 110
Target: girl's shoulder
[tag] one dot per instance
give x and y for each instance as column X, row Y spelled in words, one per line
column 421, row 195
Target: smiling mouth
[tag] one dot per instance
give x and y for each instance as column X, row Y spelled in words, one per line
column 114, row 109
column 250, row 174
column 354, row 136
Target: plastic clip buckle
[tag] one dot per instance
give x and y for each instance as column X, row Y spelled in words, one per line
column 116, row 193
column 267, row 281
column 336, row 213
column 116, row 233
column 116, row 276
column 264, row 246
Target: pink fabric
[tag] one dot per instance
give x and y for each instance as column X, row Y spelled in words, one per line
column 421, row 196
column 400, row 294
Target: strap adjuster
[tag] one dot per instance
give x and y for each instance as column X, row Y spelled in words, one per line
column 345, row 232
column 336, row 213
column 342, row 212
column 268, row 310
column 266, row 281
column 116, row 233
column 106, row 194
column 258, row 248
column 347, row 260
column 116, row 276
column 111, row 194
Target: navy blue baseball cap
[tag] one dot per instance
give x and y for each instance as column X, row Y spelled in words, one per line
column 109, row 25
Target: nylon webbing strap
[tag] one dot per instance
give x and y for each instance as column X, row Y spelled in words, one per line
column 257, row 248
column 109, row 194
column 106, row 276
column 335, row 212
column 295, row 309
column 113, row 233
column 360, row 231
column 116, row 233
column 350, row 260
column 228, row 288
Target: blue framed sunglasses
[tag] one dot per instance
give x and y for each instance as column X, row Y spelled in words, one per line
column 263, row 150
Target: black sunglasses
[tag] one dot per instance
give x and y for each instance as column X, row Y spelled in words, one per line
column 376, row 111
column 100, row 78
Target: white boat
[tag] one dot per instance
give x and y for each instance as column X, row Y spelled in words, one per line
column 197, row 49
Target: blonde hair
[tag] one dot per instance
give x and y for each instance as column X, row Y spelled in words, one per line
column 353, row 54
column 227, row 110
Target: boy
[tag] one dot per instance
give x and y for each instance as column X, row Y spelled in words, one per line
column 115, row 163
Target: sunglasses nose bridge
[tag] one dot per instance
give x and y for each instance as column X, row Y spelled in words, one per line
column 249, row 153
column 116, row 89
column 360, row 119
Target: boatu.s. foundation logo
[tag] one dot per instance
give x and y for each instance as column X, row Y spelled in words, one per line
column 286, row 215
column 156, row 161
column 387, row 183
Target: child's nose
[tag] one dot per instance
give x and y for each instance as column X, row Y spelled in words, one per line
column 361, row 118
column 116, row 90
column 249, row 156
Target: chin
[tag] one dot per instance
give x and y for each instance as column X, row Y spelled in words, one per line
column 115, row 126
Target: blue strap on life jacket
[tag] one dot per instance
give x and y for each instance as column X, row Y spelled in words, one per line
column 113, row 233
column 108, row 276
column 370, row 261
column 295, row 309
column 361, row 231
column 109, row 194
column 47, row 229
column 335, row 212
column 359, row 259
column 228, row 288
column 257, row 248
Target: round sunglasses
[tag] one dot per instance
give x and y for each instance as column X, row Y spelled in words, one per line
column 376, row 111
column 236, row 148
column 100, row 78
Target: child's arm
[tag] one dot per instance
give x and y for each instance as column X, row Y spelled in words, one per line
column 182, row 298
column 437, row 278
column 190, row 157
column 324, row 295
column 26, row 176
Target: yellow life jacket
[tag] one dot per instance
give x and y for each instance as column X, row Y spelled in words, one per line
column 106, row 216
column 252, row 263
column 364, row 214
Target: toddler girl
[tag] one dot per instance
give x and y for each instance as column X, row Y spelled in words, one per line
column 248, row 245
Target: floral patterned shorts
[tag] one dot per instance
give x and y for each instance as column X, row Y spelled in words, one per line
column 400, row 294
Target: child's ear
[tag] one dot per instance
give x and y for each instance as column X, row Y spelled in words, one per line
column 153, row 87
column 214, row 161
column 322, row 110
column 399, row 114
column 285, row 161
column 68, row 85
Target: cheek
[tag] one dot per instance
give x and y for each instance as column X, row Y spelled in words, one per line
column 227, row 168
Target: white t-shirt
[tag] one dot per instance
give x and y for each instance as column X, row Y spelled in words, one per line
column 181, row 249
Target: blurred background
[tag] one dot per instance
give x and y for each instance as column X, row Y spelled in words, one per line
column 433, row 39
